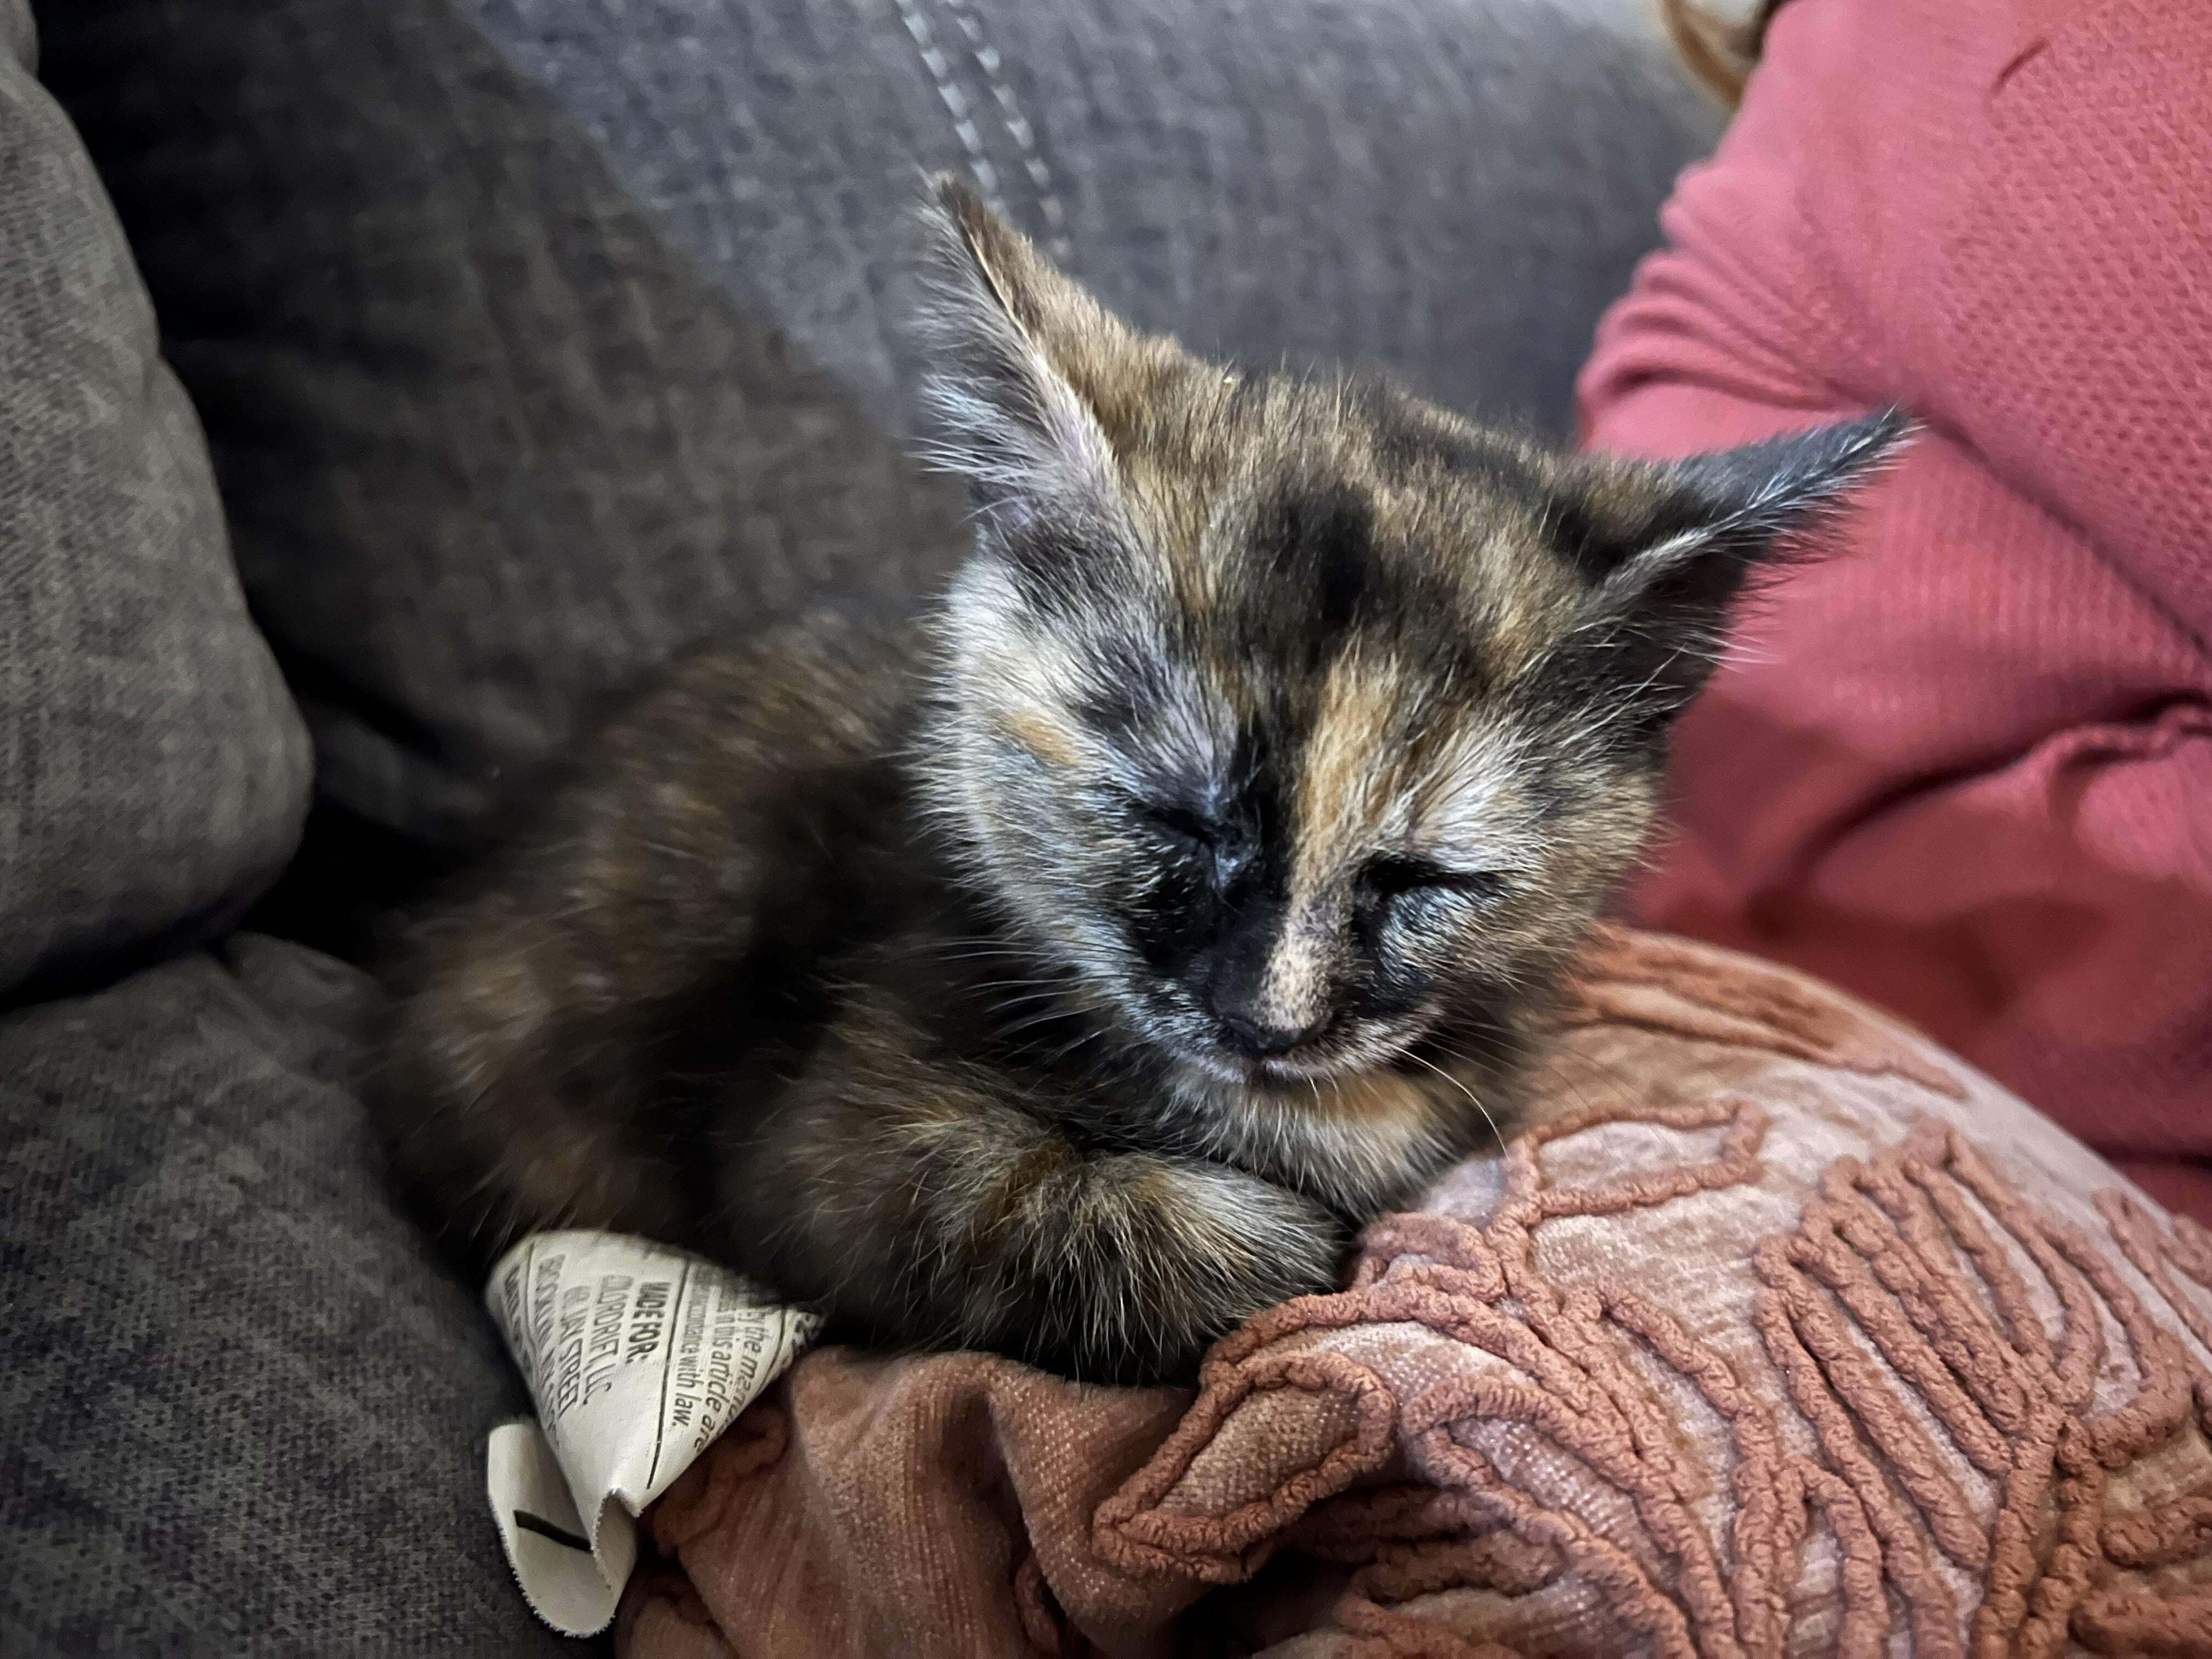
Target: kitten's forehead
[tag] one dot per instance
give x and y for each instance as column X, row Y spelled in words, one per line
column 1314, row 595
column 1294, row 521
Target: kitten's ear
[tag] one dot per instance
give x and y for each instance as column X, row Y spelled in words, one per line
column 1669, row 549
column 1026, row 369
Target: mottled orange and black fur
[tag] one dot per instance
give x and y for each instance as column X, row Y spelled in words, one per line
column 1069, row 966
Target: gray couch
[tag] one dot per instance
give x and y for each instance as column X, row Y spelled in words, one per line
column 525, row 343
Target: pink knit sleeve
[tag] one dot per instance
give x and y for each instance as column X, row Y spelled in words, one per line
column 2076, row 289
column 1964, row 767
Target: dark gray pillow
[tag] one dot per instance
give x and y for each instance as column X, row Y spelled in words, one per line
column 152, row 771
column 242, row 1410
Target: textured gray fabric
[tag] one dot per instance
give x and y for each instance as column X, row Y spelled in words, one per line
column 480, row 299
column 1454, row 188
column 153, row 772
column 239, row 1402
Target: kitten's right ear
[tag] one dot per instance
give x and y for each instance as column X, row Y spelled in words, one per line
column 1023, row 362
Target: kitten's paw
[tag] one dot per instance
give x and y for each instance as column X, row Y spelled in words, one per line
column 1166, row 1256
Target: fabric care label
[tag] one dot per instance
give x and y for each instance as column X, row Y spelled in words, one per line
column 637, row 1357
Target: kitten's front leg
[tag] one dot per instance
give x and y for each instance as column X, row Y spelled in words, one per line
column 931, row 1212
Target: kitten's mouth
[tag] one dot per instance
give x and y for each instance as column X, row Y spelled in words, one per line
column 1289, row 1069
column 1347, row 1049
column 1278, row 1071
column 1300, row 1069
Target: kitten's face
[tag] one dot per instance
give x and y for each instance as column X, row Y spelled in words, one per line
column 1308, row 723
column 1271, row 754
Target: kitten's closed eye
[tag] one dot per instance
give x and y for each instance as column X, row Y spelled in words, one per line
column 1400, row 877
column 1219, row 844
column 1193, row 830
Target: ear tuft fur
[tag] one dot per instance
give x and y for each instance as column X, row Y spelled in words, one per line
column 1669, row 549
column 1015, row 351
column 1766, row 496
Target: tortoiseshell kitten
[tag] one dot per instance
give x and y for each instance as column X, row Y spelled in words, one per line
column 1070, row 966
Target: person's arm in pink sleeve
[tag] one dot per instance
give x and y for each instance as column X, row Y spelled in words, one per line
column 1964, row 765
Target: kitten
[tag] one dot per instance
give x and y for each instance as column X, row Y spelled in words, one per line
column 1070, row 967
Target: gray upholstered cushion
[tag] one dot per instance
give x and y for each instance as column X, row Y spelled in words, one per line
column 238, row 1401
column 152, row 771
column 242, row 1410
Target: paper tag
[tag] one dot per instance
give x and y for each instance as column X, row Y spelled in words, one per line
column 637, row 1357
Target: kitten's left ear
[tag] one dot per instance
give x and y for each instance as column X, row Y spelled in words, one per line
column 1669, row 549
column 1028, row 373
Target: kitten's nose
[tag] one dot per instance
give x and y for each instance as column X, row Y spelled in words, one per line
column 1257, row 1040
